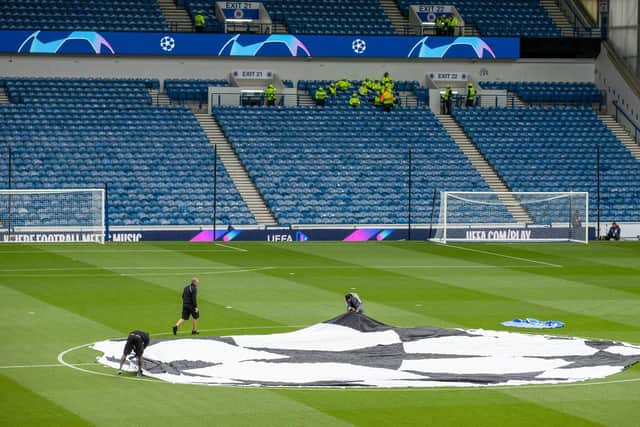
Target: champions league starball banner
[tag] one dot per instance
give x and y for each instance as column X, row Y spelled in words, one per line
column 248, row 45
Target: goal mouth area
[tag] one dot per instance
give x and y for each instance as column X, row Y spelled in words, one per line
column 513, row 217
column 75, row 215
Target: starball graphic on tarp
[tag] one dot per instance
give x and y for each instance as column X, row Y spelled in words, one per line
column 353, row 350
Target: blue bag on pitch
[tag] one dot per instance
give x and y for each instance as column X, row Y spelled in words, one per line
column 533, row 323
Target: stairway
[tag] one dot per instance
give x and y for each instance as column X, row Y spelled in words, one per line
column 176, row 16
column 159, row 98
column 279, row 26
column 305, row 99
column 399, row 22
column 236, row 170
column 4, row 97
column 408, row 98
column 558, row 17
column 483, row 167
column 621, row 133
column 517, row 102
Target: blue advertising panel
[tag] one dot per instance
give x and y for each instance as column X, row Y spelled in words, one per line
column 240, row 13
column 273, row 45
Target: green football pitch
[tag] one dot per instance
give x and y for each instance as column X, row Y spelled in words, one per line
column 57, row 299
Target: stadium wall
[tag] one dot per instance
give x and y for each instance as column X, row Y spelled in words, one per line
column 617, row 88
column 570, row 70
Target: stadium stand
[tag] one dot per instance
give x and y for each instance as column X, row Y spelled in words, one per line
column 180, row 90
column 364, row 17
column 212, row 25
column 114, row 15
column 499, row 18
column 342, row 98
column 582, row 93
column 78, row 133
column 338, row 165
column 554, row 149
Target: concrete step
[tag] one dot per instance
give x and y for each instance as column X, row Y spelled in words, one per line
column 159, row 98
column 4, row 96
column 486, row 171
column 558, row 17
column 392, row 11
column 176, row 16
column 622, row 134
column 236, row 170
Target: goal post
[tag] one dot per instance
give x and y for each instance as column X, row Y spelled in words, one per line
column 52, row 215
column 467, row 216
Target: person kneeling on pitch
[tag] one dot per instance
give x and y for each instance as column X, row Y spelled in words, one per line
column 137, row 341
column 354, row 303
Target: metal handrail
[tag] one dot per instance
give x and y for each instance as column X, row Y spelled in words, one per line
column 636, row 128
column 403, row 30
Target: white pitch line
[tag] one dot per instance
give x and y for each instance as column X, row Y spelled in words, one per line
column 12, row 270
column 76, row 366
column 232, row 247
column 201, row 273
column 116, row 250
column 116, row 273
column 46, row 365
column 505, row 256
column 271, row 267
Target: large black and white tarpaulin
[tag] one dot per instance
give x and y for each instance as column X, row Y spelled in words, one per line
column 356, row 350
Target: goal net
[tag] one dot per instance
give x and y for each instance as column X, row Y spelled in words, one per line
column 513, row 217
column 54, row 216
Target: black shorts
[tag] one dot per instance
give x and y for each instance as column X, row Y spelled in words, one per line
column 189, row 311
column 135, row 344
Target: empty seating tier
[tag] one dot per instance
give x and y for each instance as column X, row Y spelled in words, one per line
column 157, row 161
column 554, row 149
column 191, row 90
column 114, row 15
column 584, row 93
column 314, row 16
column 499, row 18
column 339, row 165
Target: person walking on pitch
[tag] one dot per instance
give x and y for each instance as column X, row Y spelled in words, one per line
column 189, row 307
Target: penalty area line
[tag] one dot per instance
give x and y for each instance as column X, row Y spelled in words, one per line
column 505, row 256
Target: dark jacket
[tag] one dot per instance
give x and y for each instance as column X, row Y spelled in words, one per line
column 189, row 296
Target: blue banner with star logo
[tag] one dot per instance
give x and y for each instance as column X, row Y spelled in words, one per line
column 269, row 45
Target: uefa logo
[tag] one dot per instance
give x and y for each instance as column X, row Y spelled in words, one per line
column 167, row 43
column 359, row 46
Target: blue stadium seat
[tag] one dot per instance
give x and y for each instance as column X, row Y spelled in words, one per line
column 337, row 165
column 554, row 149
column 152, row 157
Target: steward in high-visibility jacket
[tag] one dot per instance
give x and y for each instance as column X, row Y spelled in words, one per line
column 344, row 84
column 453, row 24
column 446, row 98
column 471, row 95
column 377, row 102
column 441, row 25
column 270, row 95
column 199, row 21
column 332, row 89
column 387, row 81
column 320, row 96
column 354, row 101
column 363, row 91
column 387, row 99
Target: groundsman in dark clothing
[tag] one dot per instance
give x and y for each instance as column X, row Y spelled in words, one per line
column 189, row 307
column 137, row 341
